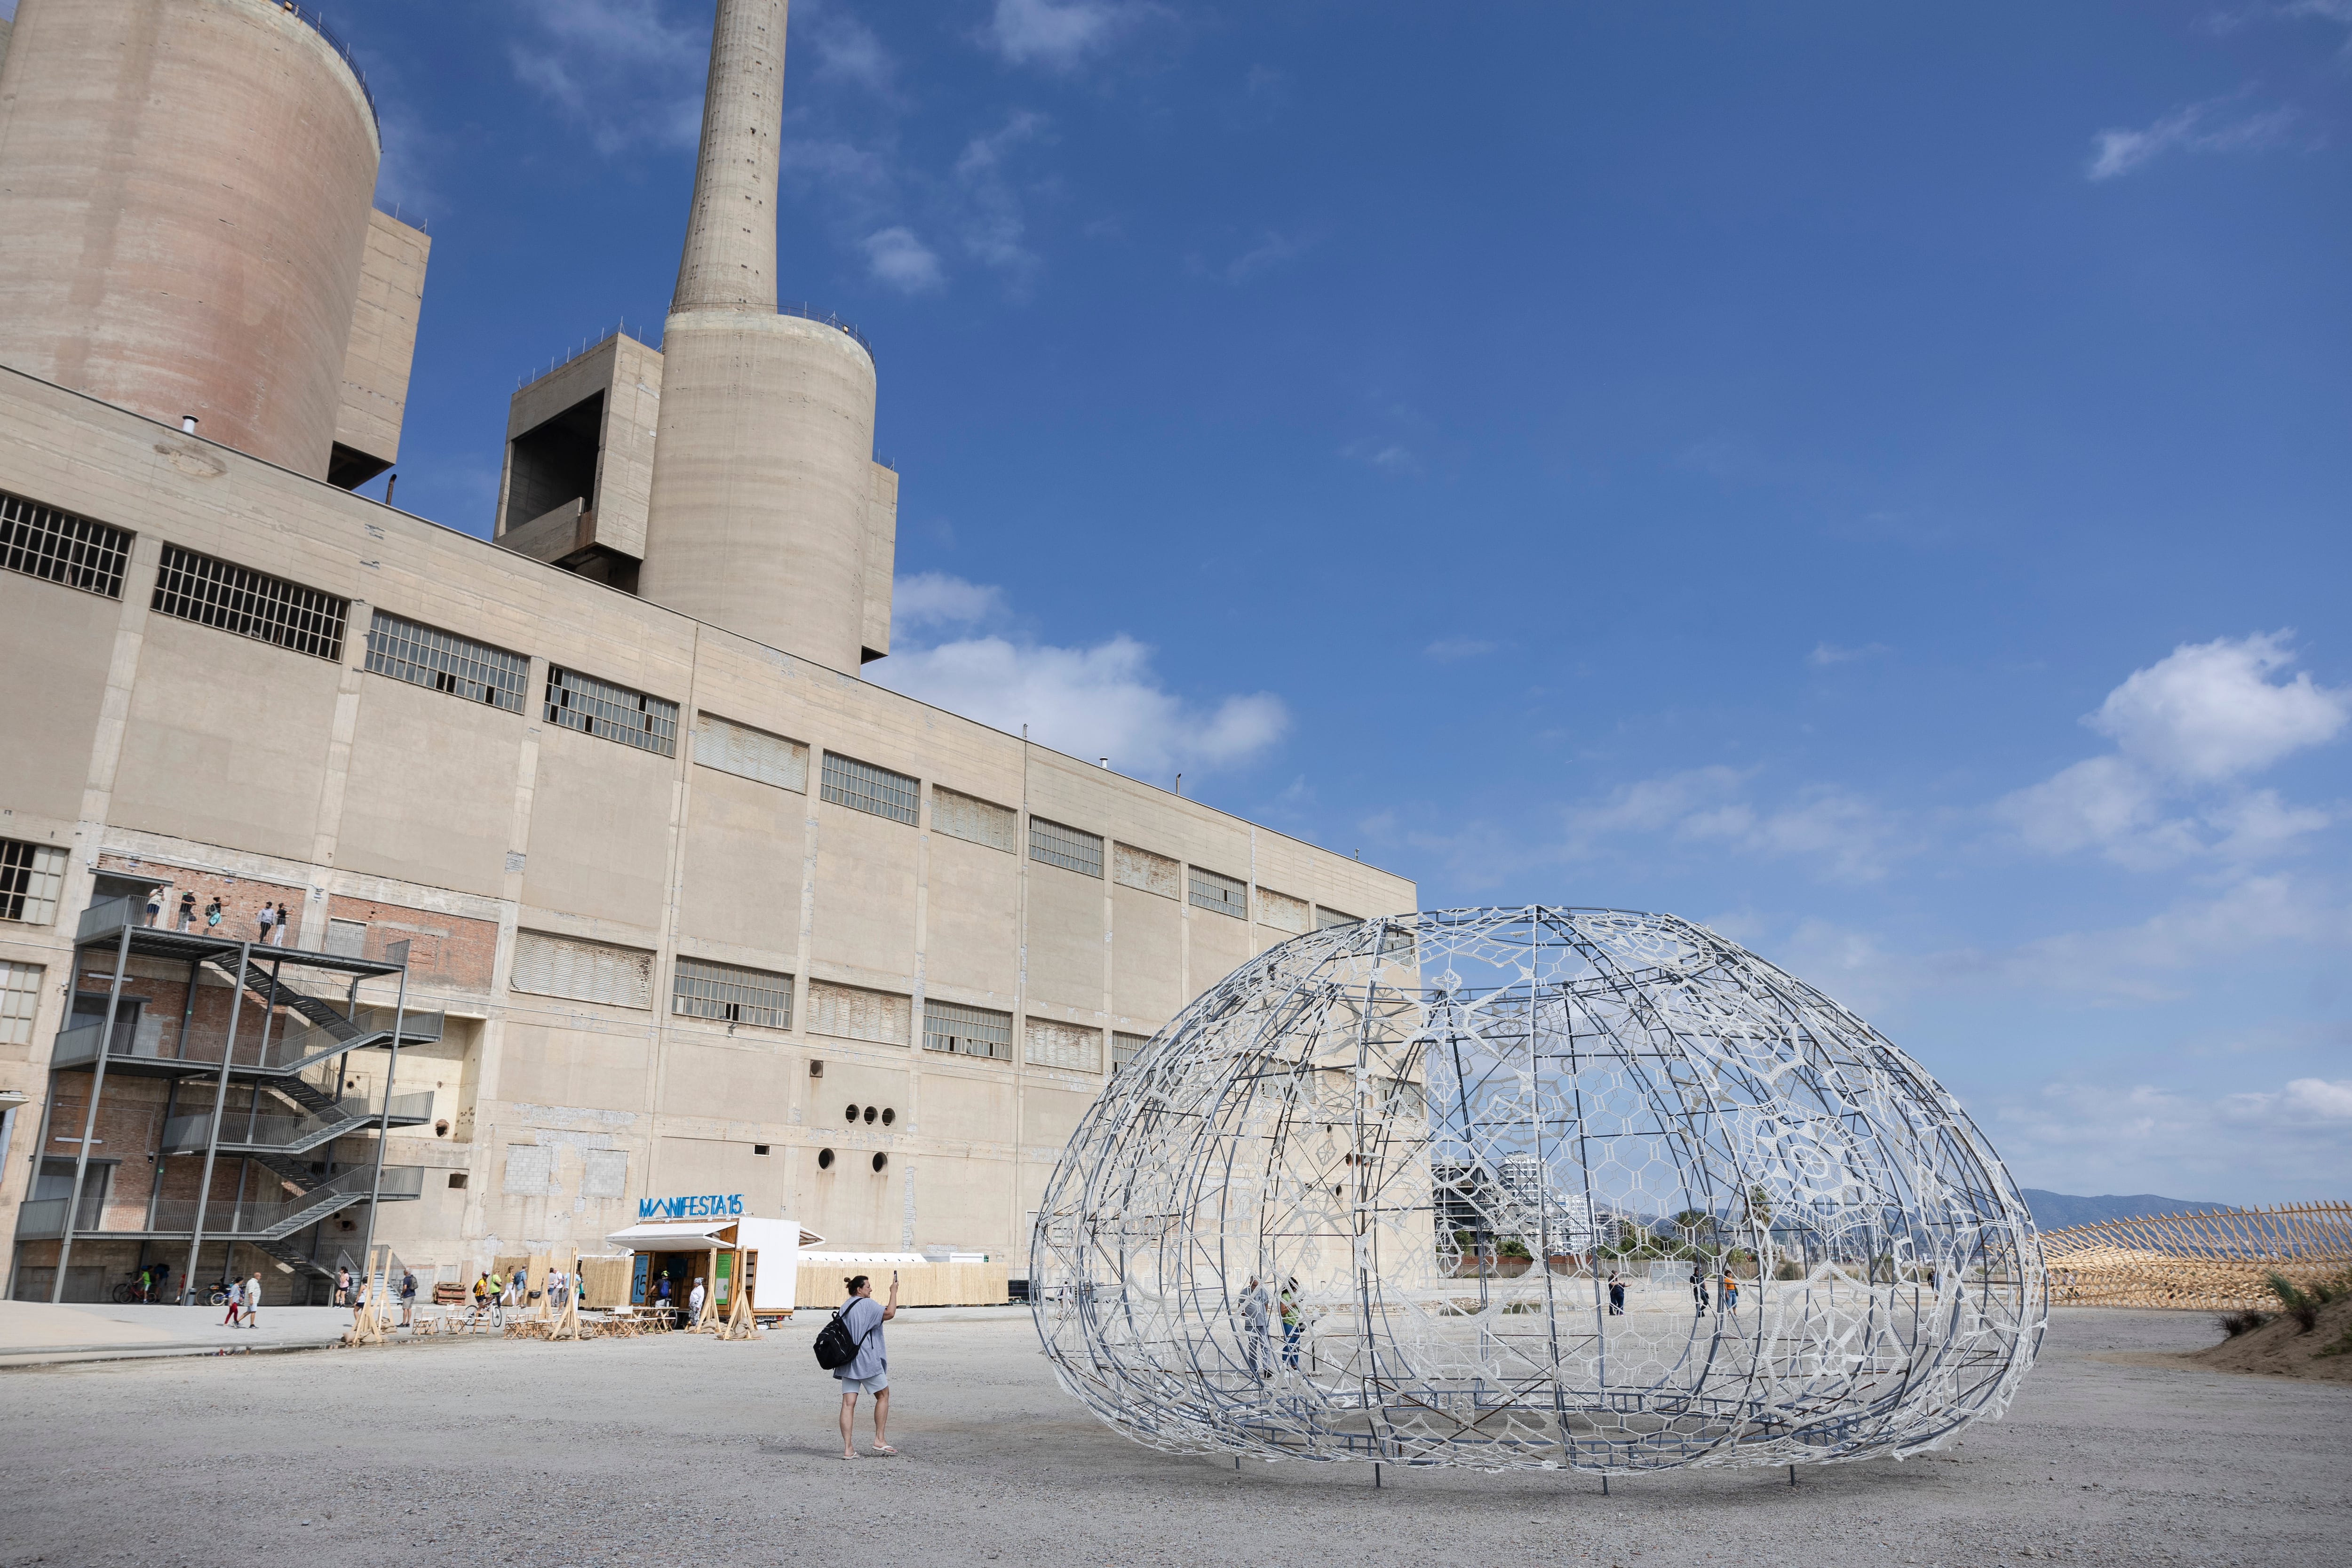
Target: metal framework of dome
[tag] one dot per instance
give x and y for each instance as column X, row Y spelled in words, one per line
column 1465, row 1187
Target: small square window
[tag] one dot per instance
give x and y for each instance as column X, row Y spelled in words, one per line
column 456, row 1180
column 759, row 1148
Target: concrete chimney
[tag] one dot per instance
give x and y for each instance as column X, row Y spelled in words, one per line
column 763, row 513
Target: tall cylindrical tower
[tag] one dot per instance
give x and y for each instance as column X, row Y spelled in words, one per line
column 185, row 188
column 763, row 451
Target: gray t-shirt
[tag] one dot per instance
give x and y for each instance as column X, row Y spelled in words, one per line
column 864, row 1313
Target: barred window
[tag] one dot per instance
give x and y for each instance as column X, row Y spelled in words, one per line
column 446, row 662
column 1325, row 918
column 974, row 820
column 1071, row 848
column 751, row 753
column 862, row 786
column 58, row 547
column 1050, row 1045
column 1133, row 867
column 967, row 1031
column 703, row 990
column 20, row 998
column 851, row 1013
column 1124, row 1048
column 1281, row 911
column 596, row 707
column 30, row 877
column 214, row 592
column 1222, row 894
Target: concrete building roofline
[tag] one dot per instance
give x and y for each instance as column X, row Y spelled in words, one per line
column 514, row 562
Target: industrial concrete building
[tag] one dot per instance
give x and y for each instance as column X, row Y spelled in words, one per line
column 597, row 820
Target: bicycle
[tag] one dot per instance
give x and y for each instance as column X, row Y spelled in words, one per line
column 130, row 1293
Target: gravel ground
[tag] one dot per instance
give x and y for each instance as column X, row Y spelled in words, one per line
column 663, row 1450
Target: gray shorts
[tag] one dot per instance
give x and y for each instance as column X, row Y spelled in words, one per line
column 874, row 1384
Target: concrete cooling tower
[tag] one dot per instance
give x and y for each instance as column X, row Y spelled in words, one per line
column 184, row 211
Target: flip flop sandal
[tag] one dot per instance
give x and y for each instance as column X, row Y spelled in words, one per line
column 885, row 1450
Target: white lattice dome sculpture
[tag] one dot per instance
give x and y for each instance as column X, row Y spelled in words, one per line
column 1367, row 1198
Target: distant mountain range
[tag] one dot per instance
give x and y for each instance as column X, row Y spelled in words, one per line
column 2056, row 1211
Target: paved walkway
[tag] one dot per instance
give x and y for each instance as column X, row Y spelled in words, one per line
column 34, row 1333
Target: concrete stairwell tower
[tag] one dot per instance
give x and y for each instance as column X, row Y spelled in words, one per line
column 762, row 512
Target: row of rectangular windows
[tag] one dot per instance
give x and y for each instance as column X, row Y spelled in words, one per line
column 61, row 547
column 702, row 989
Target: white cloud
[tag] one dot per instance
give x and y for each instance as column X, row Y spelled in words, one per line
column 622, row 68
column 2193, row 128
column 1827, row 654
column 1058, row 33
column 994, row 227
column 1446, row 650
column 1388, row 456
column 1103, row 701
column 2188, row 725
column 2159, row 959
column 2107, row 1137
column 1272, row 250
column 936, row 599
column 847, row 48
column 1850, row 838
column 2209, row 710
column 896, row 257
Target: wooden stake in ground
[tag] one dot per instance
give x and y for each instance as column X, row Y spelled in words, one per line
column 740, row 1324
column 567, row 1321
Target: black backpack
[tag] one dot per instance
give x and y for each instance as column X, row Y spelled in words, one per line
column 834, row 1347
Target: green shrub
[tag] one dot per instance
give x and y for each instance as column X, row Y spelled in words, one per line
column 1789, row 1269
column 2236, row 1323
column 2299, row 1304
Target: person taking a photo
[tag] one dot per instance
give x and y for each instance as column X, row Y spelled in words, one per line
column 869, row 1371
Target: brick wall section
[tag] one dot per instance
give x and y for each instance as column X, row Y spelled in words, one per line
column 448, row 951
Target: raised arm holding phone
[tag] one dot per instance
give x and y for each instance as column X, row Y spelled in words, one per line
column 868, row 1372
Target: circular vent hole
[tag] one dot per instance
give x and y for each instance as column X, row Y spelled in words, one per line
column 824, row 1159
column 880, row 1160
column 871, row 1114
column 888, row 1116
column 851, row 1113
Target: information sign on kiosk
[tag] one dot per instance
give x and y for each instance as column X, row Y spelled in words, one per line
column 708, row 1236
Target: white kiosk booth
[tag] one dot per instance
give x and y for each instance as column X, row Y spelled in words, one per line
column 729, row 1254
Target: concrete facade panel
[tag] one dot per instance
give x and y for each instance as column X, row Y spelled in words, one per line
column 554, row 1065
column 599, row 834
column 1066, row 948
column 864, row 928
column 1146, row 957
column 972, row 929
column 56, row 644
column 227, row 739
column 741, row 884
column 457, row 833
column 745, row 1082
column 383, row 345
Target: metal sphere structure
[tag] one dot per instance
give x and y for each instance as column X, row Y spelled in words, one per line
column 1539, row 1187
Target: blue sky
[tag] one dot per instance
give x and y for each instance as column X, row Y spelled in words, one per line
column 1872, row 479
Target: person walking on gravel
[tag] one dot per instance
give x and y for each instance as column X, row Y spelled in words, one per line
column 868, row 1372
column 253, row 1302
